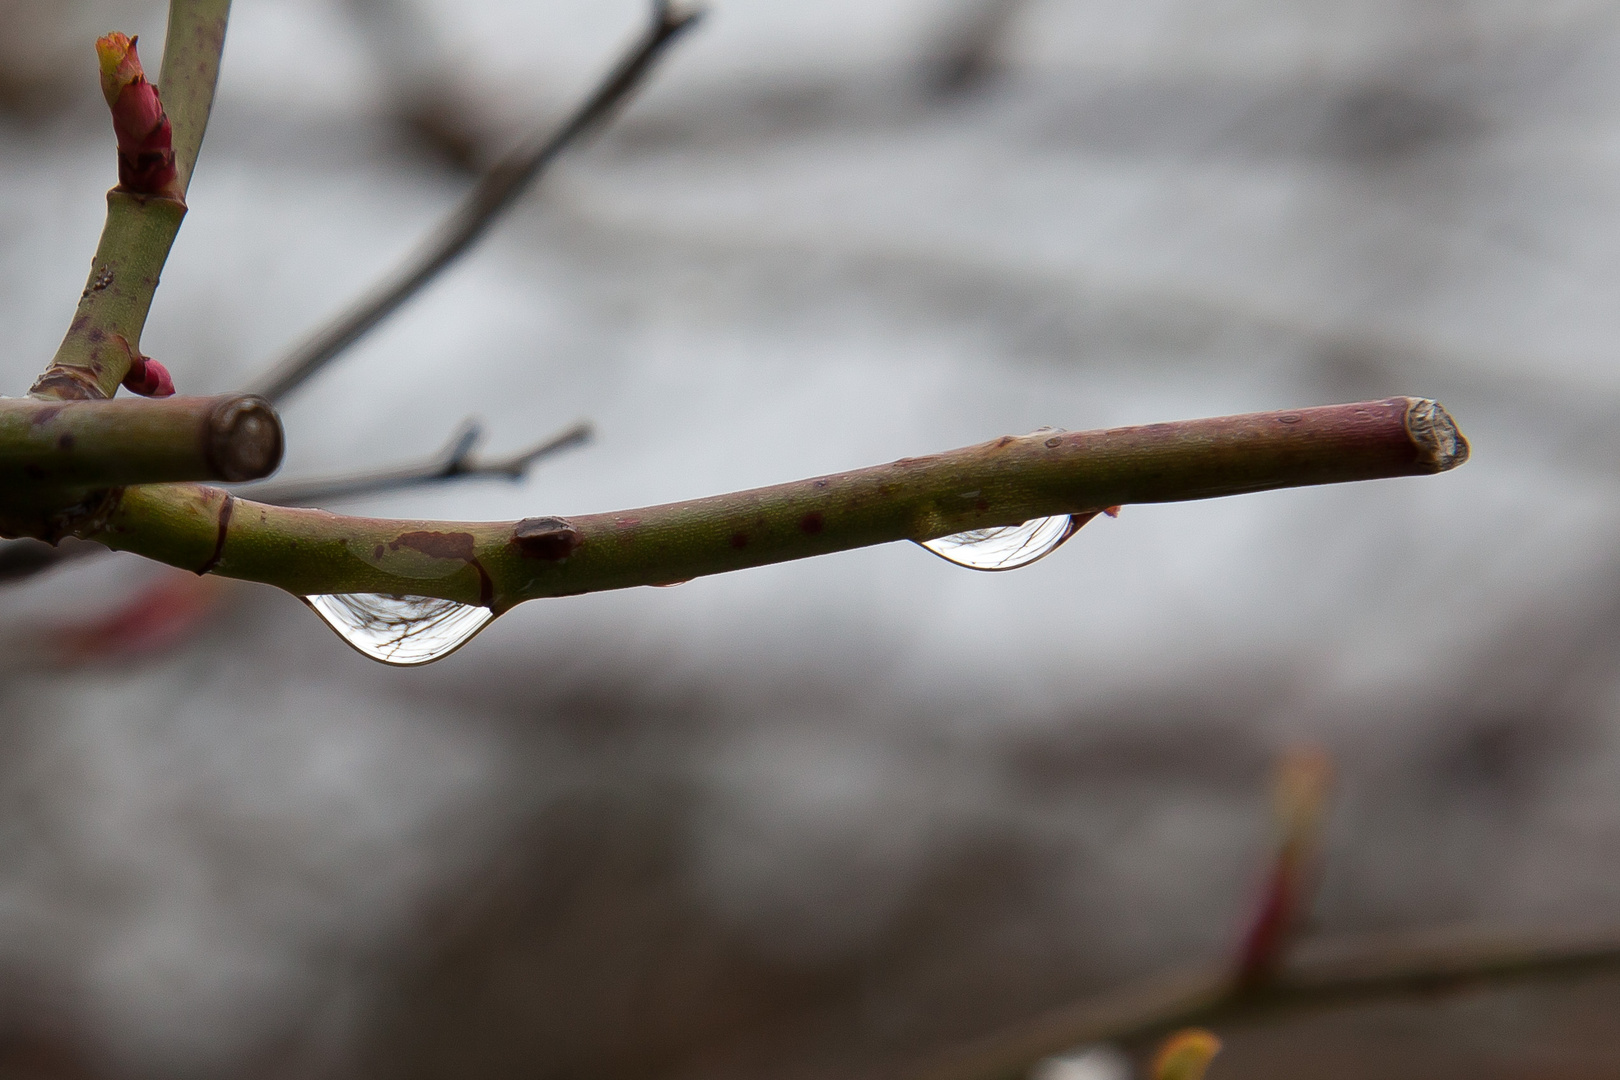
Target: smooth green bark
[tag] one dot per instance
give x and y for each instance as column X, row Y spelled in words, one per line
column 191, row 57
column 105, row 335
column 1010, row 480
column 233, row 437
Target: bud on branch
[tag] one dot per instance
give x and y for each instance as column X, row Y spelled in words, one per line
column 149, row 378
column 145, row 139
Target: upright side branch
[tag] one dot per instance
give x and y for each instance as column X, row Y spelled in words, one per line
column 191, row 56
column 102, row 344
column 1005, row 482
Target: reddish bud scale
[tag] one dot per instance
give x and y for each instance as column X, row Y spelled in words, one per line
column 145, row 138
column 149, row 378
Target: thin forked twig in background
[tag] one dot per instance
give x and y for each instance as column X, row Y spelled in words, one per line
column 24, row 559
column 499, row 188
column 456, row 461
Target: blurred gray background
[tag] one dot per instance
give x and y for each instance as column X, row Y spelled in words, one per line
column 817, row 819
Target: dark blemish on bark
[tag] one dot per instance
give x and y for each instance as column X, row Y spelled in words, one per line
column 549, row 538
column 1005, row 440
column 377, row 552
column 739, row 540
column 65, row 441
column 225, row 510
column 486, row 587
column 821, row 483
column 46, row 415
column 982, row 505
column 96, row 335
column 33, row 472
column 437, row 545
column 811, row 523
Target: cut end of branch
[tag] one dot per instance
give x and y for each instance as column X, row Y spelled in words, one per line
column 1435, row 433
column 244, row 438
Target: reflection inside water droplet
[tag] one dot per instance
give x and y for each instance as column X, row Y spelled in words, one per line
column 401, row 630
column 1007, row 547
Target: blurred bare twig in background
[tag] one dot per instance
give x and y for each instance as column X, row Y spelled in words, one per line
column 456, row 461
column 499, row 188
column 967, row 54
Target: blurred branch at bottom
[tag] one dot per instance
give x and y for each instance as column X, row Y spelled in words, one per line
column 1267, row 977
column 1328, row 974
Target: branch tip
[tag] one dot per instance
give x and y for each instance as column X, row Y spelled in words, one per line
column 245, row 440
column 1442, row 445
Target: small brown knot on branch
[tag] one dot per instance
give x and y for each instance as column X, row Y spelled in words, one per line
column 244, row 440
column 145, row 139
column 548, row 538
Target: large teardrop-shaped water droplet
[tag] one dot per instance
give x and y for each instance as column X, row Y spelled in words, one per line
column 401, row 630
column 1007, row 547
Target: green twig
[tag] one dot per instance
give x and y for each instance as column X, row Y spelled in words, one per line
column 998, row 483
column 233, row 437
column 191, row 55
column 105, row 336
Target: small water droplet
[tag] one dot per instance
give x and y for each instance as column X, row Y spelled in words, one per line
column 400, row 630
column 1007, row 547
